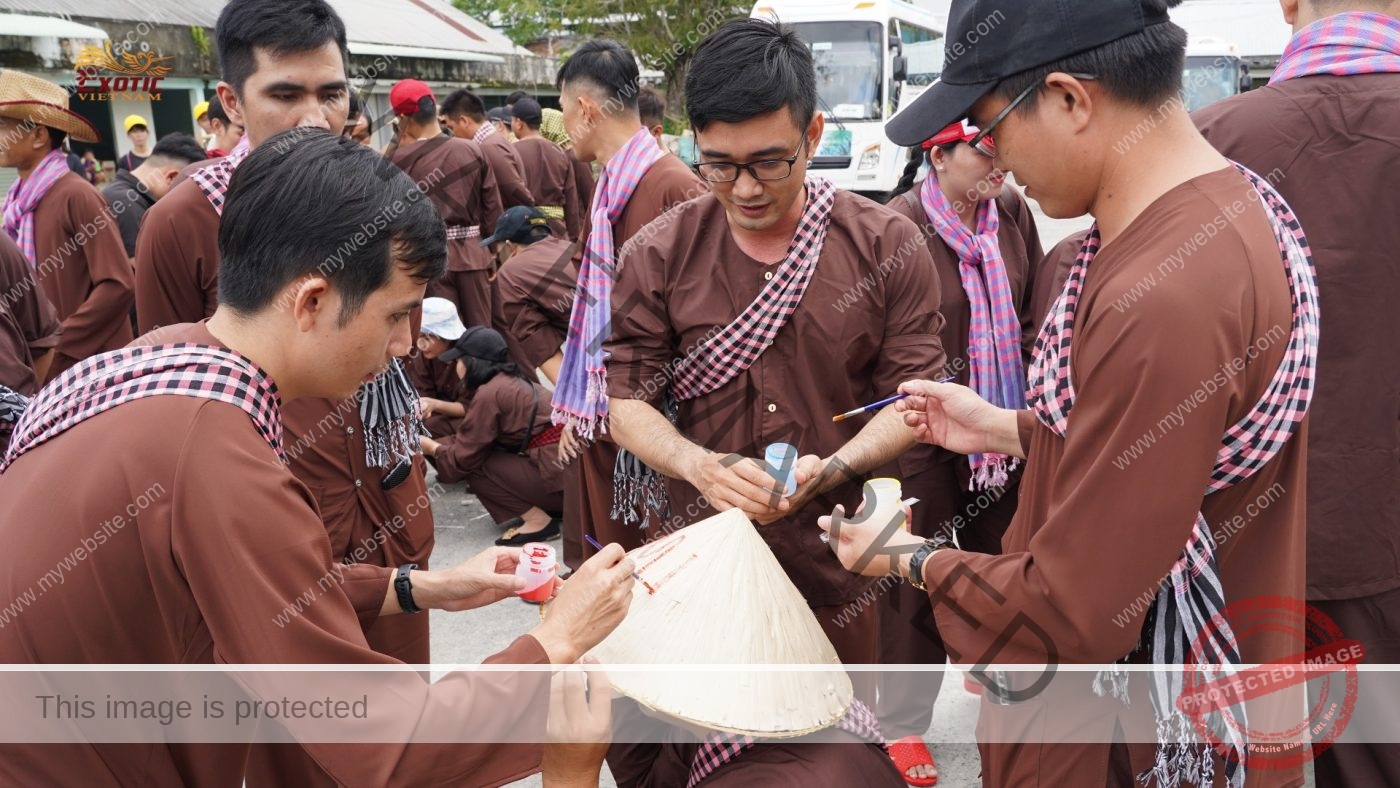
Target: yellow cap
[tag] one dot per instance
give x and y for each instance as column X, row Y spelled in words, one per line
column 134, row 120
column 201, row 109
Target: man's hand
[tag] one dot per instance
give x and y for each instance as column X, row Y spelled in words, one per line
column 428, row 445
column 481, row 580
column 814, row 477
column 954, row 417
column 865, row 546
column 579, row 729
column 588, row 607
column 429, row 406
column 733, row 482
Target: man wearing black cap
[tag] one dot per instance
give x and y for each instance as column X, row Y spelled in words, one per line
column 1195, row 286
column 533, row 292
column 455, row 173
column 548, row 173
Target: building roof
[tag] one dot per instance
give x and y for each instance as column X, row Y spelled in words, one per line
column 408, row 25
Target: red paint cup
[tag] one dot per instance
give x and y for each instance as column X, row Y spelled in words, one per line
column 536, row 568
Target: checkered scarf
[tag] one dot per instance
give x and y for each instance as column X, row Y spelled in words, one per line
column 1342, row 45
column 730, row 351
column 392, row 414
column 581, row 395
column 214, row 179
column 12, row 405
column 994, row 331
column 720, row 748
column 486, row 129
column 552, row 127
column 105, row 381
column 1195, row 599
column 24, row 197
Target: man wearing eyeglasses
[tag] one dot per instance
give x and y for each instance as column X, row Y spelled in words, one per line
column 776, row 303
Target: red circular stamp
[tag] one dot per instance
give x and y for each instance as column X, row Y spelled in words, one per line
column 1278, row 730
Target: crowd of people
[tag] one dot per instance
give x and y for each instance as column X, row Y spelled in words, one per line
column 289, row 332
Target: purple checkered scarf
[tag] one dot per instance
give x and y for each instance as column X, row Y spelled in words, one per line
column 484, row 131
column 1342, row 45
column 24, row 197
column 994, row 330
column 1196, row 599
column 214, row 179
column 720, row 748
column 105, row 381
column 730, row 351
column 581, row 394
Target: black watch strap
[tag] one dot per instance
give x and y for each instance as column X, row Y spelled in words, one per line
column 916, row 563
column 403, row 588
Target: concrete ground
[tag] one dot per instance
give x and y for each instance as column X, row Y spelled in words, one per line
column 464, row 529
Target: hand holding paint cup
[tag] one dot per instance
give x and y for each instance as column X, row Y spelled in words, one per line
column 781, row 459
column 888, row 502
column 536, row 569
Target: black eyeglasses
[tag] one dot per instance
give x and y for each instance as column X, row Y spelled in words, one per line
column 986, row 132
column 766, row 170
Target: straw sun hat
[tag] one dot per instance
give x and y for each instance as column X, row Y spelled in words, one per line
column 714, row 594
column 26, row 97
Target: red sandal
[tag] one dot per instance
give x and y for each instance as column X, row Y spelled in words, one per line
column 909, row 752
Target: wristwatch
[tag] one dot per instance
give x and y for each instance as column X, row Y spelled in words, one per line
column 916, row 562
column 403, row 588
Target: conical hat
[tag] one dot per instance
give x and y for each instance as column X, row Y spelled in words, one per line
column 714, row 594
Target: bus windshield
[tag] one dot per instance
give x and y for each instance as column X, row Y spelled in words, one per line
column 850, row 59
column 1208, row 79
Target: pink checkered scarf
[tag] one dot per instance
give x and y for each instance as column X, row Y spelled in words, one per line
column 105, row 381
column 483, row 131
column 24, row 197
column 581, row 395
column 720, row 748
column 214, row 179
column 1342, row 45
column 994, row 331
column 738, row 345
column 1196, row 599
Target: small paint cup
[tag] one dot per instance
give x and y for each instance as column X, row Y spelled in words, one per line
column 781, row 459
column 536, row 568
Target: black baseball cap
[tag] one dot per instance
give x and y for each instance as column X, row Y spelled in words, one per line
column 480, row 342
column 528, row 110
column 990, row 40
column 499, row 113
column 521, row 224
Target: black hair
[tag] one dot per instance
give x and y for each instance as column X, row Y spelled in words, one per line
column 56, row 137
column 917, row 155
column 278, row 226
column 427, row 111
column 651, row 107
column 1143, row 69
column 516, row 96
column 282, row 27
column 216, row 111
column 607, row 66
column 177, row 147
column 747, row 68
column 480, row 371
column 464, row 102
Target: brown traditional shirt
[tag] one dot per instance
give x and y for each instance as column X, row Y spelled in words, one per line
column 533, row 297
column 177, row 260
column 550, row 178
column 500, row 416
column 28, row 323
column 837, row 351
column 510, row 175
column 1328, row 144
column 83, row 269
column 460, row 182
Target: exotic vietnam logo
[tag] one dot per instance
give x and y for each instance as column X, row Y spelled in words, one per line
column 104, row 74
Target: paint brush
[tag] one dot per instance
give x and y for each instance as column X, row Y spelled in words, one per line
column 882, row 403
column 635, row 576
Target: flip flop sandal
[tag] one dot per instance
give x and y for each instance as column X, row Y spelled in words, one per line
column 909, row 752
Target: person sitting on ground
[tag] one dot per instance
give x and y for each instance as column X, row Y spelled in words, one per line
column 434, row 378
column 504, row 444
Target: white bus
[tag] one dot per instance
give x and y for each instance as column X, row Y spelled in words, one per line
column 873, row 57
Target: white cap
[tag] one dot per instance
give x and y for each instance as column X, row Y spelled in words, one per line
column 440, row 319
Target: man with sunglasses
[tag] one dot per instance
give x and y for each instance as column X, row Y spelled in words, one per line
column 1167, row 394
column 775, row 304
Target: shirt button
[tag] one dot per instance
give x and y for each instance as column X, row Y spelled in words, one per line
column 767, row 275
column 349, row 430
column 772, row 408
column 359, row 483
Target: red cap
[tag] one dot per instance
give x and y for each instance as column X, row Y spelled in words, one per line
column 961, row 131
column 405, row 94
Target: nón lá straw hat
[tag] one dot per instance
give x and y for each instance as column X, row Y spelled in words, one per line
column 29, row 98
column 714, row 594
